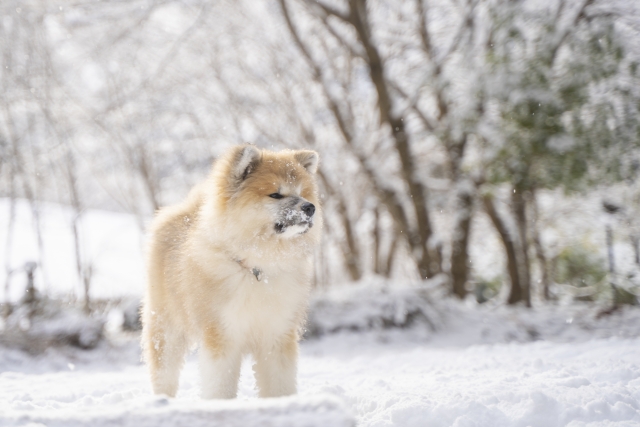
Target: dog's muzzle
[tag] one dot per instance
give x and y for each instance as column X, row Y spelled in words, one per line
column 301, row 218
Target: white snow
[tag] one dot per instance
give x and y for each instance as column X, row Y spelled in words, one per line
column 536, row 384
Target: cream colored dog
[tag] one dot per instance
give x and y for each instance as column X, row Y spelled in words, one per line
column 230, row 269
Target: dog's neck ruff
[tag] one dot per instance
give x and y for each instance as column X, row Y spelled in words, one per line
column 257, row 272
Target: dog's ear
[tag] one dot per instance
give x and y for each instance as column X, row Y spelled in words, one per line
column 244, row 162
column 308, row 159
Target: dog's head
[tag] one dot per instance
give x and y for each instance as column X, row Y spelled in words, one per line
column 269, row 193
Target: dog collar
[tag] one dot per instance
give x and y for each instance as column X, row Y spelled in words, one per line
column 257, row 272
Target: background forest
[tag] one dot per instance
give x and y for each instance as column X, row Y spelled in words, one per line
column 480, row 182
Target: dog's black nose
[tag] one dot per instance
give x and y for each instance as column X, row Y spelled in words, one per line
column 308, row 208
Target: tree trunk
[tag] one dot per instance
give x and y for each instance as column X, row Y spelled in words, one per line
column 612, row 268
column 77, row 248
column 460, row 240
column 86, row 278
column 545, row 280
column 518, row 204
column 31, row 298
column 635, row 243
column 83, row 268
column 352, row 255
column 377, row 247
column 9, row 239
column 515, row 294
column 391, row 255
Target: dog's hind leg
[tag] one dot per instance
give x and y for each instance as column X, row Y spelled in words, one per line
column 276, row 367
column 164, row 349
column 219, row 366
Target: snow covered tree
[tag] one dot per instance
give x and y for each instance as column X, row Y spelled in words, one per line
column 562, row 114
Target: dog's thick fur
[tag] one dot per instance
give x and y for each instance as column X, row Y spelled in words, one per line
column 229, row 269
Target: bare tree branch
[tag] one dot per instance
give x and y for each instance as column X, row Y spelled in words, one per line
column 328, row 10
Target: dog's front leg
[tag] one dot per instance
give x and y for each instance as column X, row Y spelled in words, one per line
column 275, row 367
column 219, row 368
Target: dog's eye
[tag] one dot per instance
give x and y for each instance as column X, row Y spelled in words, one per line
column 276, row 196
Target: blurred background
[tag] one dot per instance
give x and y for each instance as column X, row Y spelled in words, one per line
column 486, row 151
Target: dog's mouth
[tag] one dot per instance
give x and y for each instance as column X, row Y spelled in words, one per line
column 292, row 229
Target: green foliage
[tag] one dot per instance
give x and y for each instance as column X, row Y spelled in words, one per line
column 580, row 266
column 485, row 289
column 583, row 267
column 623, row 296
column 558, row 103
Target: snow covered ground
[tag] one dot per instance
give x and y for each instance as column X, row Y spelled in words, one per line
column 585, row 372
column 595, row 383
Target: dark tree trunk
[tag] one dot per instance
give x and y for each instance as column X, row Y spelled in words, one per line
column 352, row 254
column 391, row 255
column 31, row 297
column 9, row 238
column 635, row 243
column 540, row 253
column 460, row 241
column 518, row 204
column 515, row 294
column 612, row 268
column 377, row 247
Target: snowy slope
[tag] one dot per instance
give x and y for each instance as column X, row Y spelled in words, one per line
column 111, row 242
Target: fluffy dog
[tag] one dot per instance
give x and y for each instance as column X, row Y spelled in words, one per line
column 229, row 269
